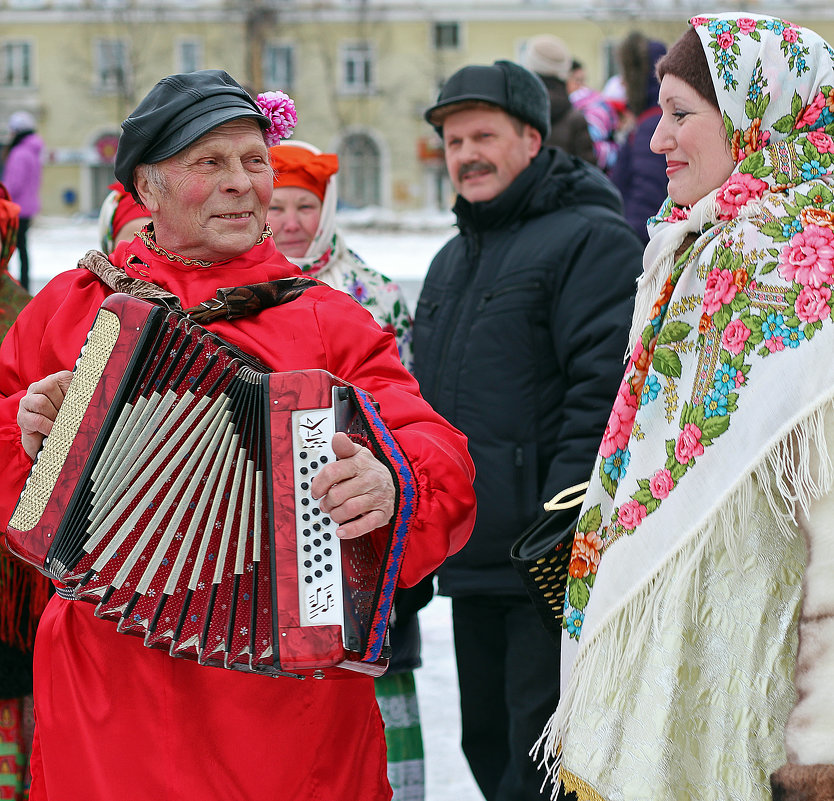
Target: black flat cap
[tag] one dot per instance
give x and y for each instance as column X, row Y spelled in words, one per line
column 511, row 87
column 176, row 113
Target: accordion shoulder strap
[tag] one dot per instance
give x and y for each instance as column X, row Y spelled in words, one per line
column 119, row 281
column 241, row 301
column 228, row 303
column 385, row 447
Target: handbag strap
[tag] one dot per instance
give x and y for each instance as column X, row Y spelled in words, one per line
column 568, row 497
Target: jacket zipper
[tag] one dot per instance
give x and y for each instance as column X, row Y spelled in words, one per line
column 444, row 353
column 516, row 288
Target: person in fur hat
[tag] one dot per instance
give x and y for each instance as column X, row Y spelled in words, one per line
column 548, row 56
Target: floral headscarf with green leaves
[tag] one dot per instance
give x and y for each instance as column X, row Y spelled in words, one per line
column 775, row 87
column 730, row 361
column 774, row 81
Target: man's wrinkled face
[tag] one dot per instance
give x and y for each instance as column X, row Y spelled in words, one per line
column 215, row 194
column 486, row 149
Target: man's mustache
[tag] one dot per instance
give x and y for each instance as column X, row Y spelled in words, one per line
column 475, row 166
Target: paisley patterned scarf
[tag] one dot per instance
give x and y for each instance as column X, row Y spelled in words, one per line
column 730, row 367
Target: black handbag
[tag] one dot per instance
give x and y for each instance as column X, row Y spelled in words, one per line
column 542, row 555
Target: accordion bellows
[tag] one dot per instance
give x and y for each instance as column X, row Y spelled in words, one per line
column 174, row 493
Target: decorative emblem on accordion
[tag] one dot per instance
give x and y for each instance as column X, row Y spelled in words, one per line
column 174, row 493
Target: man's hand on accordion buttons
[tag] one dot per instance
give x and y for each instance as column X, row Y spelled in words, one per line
column 38, row 409
column 356, row 490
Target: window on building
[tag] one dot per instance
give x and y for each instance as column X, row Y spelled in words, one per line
column 16, row 63
column 610, row 65
column 446, row 36
column 189, row 55
column 278, row 66
column 358, row 68
column 359, row 172
column 112, row 65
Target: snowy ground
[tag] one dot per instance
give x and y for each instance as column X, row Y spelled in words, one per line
column 402, row 249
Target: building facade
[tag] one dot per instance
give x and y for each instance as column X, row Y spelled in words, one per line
column 361, row 72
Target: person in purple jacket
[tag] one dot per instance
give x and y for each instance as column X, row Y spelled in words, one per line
column 639, row 174
column 22, row 176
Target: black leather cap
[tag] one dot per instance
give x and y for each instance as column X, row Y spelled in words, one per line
column 176, row 113
column 509, row 86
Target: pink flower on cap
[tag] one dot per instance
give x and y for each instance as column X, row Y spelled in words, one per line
column 280, row 109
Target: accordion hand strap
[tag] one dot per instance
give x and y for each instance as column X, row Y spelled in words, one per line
column 229, row 303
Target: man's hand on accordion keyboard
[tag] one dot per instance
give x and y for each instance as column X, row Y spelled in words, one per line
column 357, row 490
column 38, row 409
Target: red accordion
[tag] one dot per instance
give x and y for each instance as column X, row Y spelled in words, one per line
column 174, row 493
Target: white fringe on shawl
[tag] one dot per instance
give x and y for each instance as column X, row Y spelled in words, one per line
column 785, row 476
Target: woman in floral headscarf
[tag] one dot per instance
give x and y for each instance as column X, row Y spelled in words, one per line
column 699, row 614
column 302, row 216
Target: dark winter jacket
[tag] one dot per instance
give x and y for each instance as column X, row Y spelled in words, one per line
column 639, row 174
column 568, row 126
column 519, row 338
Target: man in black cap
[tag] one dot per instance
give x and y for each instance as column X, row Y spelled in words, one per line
column 117, row 719
column 519, row 338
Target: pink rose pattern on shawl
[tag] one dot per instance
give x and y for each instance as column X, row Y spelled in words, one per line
column 721, row 289
column 661, row 484
column 689, row 444
column 631, row 514
column 618, row 430
column 822, row 142
column 734, row 337
column 732, row 310
column 808, row 258
column 813, row 304
column 737, row 192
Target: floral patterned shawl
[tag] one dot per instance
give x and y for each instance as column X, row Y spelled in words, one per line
column 730, row 359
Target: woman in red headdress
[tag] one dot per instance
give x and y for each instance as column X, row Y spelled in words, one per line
column 302, row 215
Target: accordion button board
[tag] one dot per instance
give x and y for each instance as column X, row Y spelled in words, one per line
column 319, row 566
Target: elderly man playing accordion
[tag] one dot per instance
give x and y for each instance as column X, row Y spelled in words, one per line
column 116, row 719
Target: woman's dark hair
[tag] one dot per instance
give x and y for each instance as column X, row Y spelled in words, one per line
column 687, row 60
